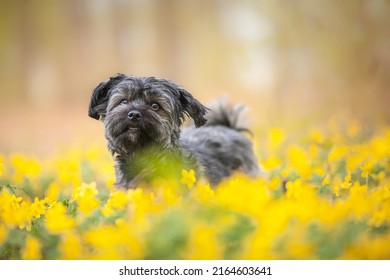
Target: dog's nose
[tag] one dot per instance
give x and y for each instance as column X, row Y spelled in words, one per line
column 134, row 115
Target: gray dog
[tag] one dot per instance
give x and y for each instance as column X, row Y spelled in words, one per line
column 142, row 117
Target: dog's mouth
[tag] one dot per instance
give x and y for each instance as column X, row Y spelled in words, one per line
column 134, row 129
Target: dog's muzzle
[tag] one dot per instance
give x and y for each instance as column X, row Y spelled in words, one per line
column 135, row 119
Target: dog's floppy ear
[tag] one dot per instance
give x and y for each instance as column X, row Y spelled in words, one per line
column 188, row 105
column 100, row 95
column 192, row 107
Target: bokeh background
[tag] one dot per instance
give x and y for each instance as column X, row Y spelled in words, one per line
column 289, row 61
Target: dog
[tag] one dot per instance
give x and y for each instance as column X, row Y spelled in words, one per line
column 142, row 118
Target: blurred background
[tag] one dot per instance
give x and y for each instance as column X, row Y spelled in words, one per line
column 289, row 61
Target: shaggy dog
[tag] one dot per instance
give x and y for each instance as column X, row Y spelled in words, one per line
column 142, row 117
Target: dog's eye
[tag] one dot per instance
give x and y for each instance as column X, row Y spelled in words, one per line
column 155, row 106
column 124, row 101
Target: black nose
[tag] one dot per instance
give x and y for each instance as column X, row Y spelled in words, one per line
column 134, row 115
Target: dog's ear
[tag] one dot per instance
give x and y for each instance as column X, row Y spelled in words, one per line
column 188, row 105
column 192, row 107
column 100, row 95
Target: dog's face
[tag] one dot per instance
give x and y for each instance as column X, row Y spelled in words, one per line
column 139, row 111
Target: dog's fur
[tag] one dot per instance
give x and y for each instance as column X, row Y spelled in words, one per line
column 142, row 117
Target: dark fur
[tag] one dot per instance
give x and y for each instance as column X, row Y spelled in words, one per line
column 147, row 142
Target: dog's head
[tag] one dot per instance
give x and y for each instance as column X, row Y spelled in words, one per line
column 139, row 111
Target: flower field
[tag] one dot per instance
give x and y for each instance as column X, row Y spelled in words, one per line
column 326, row 196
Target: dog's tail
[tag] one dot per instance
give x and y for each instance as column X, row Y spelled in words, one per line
column 225, row 114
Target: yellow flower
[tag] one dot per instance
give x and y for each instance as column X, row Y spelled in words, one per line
column 169, row 195
column 57, row 221
column 379, row 217
column 188, row 178
column 3, row 233
column 366, row 168
column 276, row 137
column 107, row 210
column 71, row 247
column 353, row 161
column 358, row 190
column 347, row 182
column 52, row 192
column 86, row 204
column 142, row 202
column 242, row 194
column 37, row 208
column 317, row 136
column 32, row 249
column 294, row 189
column 85, row 190
column 14, row 211
column 117, row 201
column 272, row 163
column 300, row 161
column 337, row 153
column 203, row 193
column 203, row 243
column 25, row 167
column 15, row 200
column 241, row 218
column 114, row 242
column 313, row 151
column 85, row 195
column 380, row 147
column 358, row 202
column 68, row 171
